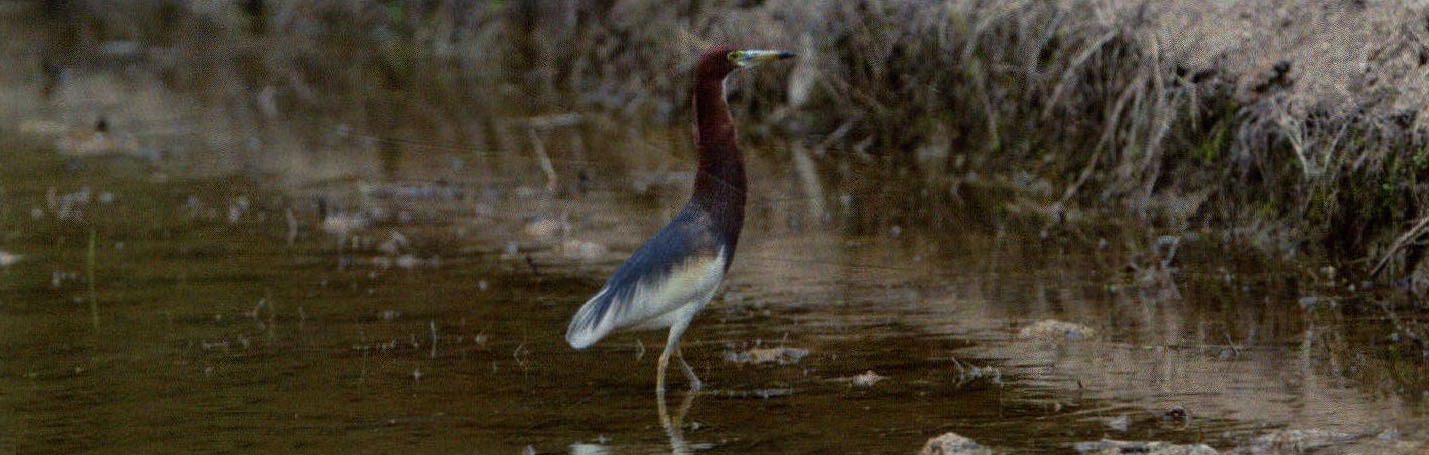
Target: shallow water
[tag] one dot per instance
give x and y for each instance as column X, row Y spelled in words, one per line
column 210, row 332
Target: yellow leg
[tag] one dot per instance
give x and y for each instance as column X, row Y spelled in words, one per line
column 695, row 383
column 672, row 345
column 660, row 366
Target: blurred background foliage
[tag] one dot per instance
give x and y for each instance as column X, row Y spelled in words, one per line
column 1296, row 127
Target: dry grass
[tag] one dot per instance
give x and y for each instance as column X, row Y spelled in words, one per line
column 1304, row 121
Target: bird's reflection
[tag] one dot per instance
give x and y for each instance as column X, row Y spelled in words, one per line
column 674, row 424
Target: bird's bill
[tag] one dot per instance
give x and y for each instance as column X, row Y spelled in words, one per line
column 751, row 57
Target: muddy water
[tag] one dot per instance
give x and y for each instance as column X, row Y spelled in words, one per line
column 218, row 322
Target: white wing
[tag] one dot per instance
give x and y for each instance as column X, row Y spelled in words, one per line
column 654, row 300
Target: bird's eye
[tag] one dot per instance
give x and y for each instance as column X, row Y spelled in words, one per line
column 735, row 56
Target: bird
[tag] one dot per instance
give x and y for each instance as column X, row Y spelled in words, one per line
column 674, row 274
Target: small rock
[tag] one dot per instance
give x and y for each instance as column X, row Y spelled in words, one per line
column 1295, row 441
column 953, row 444
column 395, row 244
column 581, row 448
column 867, row 379
column 976, row 376
column 407, row 261
column 1120, row 423
column 543, row 228
column 782, row 355
column 1176, row 414
column 9, row 259
column 1054, row 330
column 1111, row 447
column 343, row 224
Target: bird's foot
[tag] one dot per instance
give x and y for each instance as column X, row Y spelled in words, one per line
column 695, row 383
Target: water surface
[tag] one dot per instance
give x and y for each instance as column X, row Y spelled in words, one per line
column 225, row 324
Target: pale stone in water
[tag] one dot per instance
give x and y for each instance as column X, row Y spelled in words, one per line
column 1054, row 330
column 953, row 444
column 543, row 228
column 867, row 379
column 1111, row 447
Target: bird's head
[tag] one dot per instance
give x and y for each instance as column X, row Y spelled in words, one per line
column 719, row 61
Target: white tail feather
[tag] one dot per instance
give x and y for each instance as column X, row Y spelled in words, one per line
column 583, row 330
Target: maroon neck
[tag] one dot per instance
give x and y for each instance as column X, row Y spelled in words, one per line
column 719, row 182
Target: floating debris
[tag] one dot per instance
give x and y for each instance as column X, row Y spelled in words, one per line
column 65, row 206
column 405, row 261
column 1316, row 302
column 976, row 376
column 1295, row 441
column 781, row 355
column 432, row 190
column 59, row 278
column 762, row 394
column 954, row 444
column 583, row 250
column 1112, row 447
column 1054, row 330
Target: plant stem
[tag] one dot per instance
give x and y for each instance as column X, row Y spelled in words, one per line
column 89, row 267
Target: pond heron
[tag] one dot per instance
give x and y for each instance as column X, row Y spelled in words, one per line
column 676, row 272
